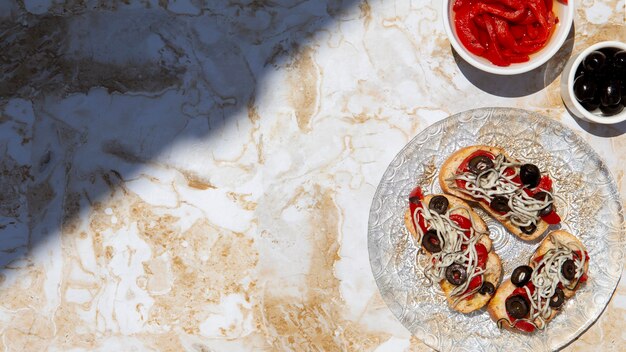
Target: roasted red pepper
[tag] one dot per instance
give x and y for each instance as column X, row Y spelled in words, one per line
column 504, row 31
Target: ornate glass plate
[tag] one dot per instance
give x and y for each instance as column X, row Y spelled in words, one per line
column 588, row 201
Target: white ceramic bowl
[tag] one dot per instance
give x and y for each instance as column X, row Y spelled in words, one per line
column 567, row 87
column 565, row 14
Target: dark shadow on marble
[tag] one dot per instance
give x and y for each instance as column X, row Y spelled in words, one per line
column 598, row 130
column 523, row 84
column 198, row 73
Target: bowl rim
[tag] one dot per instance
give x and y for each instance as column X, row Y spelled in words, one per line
column 605, row 120
column 514, row 69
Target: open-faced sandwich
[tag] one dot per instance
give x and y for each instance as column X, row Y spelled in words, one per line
column 517, row 194
column 459, row 250
column 536, row 292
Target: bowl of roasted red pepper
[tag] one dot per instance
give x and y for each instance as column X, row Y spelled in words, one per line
column 593, row 83
column 507, row 37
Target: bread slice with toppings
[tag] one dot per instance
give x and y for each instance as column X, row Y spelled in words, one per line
column 450, row 171
column 493, row 266
column 547, row 252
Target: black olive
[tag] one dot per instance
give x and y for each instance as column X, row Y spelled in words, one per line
column 557, row 299
column 543, row 196
column 592, row 104
column 517, row 306
column 438, row 204
column 528, row 229
column 611, row 110
column 487, row 288
column 568, row 269
column 611, row 93
column 431, row 242
column 594, row 61
column 456, row 274
column 579, row 71
column 521, row 275
column 479, row 164
column 530, row 175
column 500, row 204
column 584, row 88
column 619, row 60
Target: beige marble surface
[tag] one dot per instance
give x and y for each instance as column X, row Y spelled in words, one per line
column 197, row 175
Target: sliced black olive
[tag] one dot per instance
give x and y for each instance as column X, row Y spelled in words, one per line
column 521, row 275
column 594, row 61
column 611, row 93
column 500, row 204
column 456, row 274
column 438, row 204
column 530, row 175
column 592, row 104
column 517, row 306
column 584, row 88
column 479, row 164
column 431, row 241
column 543, row 196
column 568, row 269
column 612, row 109
column 557, row 299
column 528, row 229
column 487, row 288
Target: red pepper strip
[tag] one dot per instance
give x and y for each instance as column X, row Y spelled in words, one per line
column 493, row 52
column 482, row 254
column 549, row 4
column 552, row 218
column 501, row 11
column 524, row 326
column 459, row 3
column 504, row 33
column 533, row 34
column 545, row 184
column 528, row 48
column 583, row 279
column 518, row 31
column 515, row 58
column 529, row 19
column 461, row 220
column 538, row 9
column 415, row 198
column 420, row 218
column 563, row 1
column 467, row 31
column 480, row 22
column 416, row 195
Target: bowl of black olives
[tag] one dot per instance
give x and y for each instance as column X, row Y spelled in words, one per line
column 593, row 84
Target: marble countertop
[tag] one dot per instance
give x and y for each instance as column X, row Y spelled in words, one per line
column 197, row 175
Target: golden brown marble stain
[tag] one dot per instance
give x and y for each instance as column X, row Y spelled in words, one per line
column 207, row 263
column 315, row 322
column 242, row 200
column 366, row 12
column 166, row 342
column 197, row 182
column 304, row 79
column 29, row 331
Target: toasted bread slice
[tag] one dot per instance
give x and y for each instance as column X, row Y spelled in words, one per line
column 493, row 269
column 497, row 306
column 448, row 171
